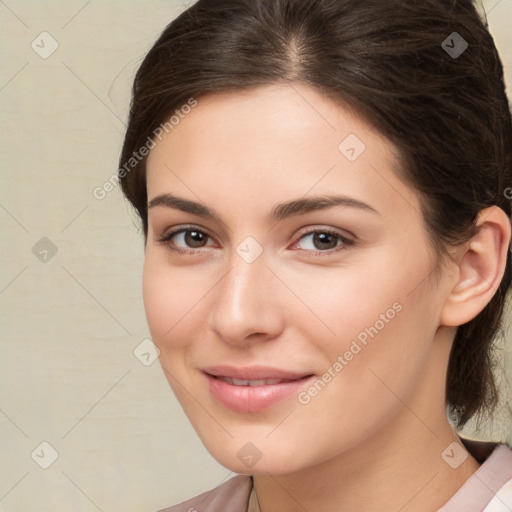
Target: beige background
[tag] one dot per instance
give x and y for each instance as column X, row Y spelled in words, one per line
column 70, row 324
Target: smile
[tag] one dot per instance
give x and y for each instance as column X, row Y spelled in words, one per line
column 252, row 389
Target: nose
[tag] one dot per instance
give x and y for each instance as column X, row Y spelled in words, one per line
column 246, row 303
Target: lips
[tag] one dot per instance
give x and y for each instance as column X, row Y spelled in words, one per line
column 252, row 389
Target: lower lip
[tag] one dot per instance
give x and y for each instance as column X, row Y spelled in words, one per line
column 253, row 398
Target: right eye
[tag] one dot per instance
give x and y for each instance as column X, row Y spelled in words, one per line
column 189, row 239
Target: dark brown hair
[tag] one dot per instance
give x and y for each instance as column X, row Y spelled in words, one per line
column 394, row 62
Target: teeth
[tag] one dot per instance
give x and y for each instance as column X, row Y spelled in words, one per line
column 244, row 382
column 262, row 382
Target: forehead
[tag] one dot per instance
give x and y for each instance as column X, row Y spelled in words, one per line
column 275, row 117
column 272, row 143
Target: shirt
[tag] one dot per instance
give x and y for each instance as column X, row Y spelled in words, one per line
column 489, row 489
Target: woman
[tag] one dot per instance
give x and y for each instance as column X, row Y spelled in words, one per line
column 323, row 190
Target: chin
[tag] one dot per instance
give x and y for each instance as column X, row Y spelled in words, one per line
column 255, row 455
column 273, row 464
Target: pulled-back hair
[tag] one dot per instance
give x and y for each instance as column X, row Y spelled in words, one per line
column 390, row 61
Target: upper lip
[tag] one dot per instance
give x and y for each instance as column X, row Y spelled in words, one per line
column 256, row 372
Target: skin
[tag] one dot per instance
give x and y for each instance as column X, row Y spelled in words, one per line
column 372, row 438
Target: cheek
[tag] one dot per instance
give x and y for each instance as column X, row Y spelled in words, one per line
column 168, row 302
column 369, row 366
column 381, row 317
column 165, row 299
column 155, row 300
column 387, row 349
column 176, row 301
column 360, row 301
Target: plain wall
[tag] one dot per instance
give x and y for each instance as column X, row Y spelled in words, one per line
column 72, row 320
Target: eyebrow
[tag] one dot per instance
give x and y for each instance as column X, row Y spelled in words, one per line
column 280, row 212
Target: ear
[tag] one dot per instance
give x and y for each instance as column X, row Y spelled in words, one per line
column 480, row 266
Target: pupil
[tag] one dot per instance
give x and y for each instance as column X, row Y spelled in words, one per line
column 193, row 238
column 323, row 238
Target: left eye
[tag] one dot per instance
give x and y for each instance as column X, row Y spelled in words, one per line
column 323, row 240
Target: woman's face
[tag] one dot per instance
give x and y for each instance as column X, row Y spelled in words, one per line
column 288, row 321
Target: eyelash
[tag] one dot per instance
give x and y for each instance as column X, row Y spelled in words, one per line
column 346, row 242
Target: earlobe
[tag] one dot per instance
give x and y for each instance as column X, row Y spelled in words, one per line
column 480, row 268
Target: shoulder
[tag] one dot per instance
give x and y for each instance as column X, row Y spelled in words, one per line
column 502, row 501
column 498, row 478
column 489, row 489
column 232, row 495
